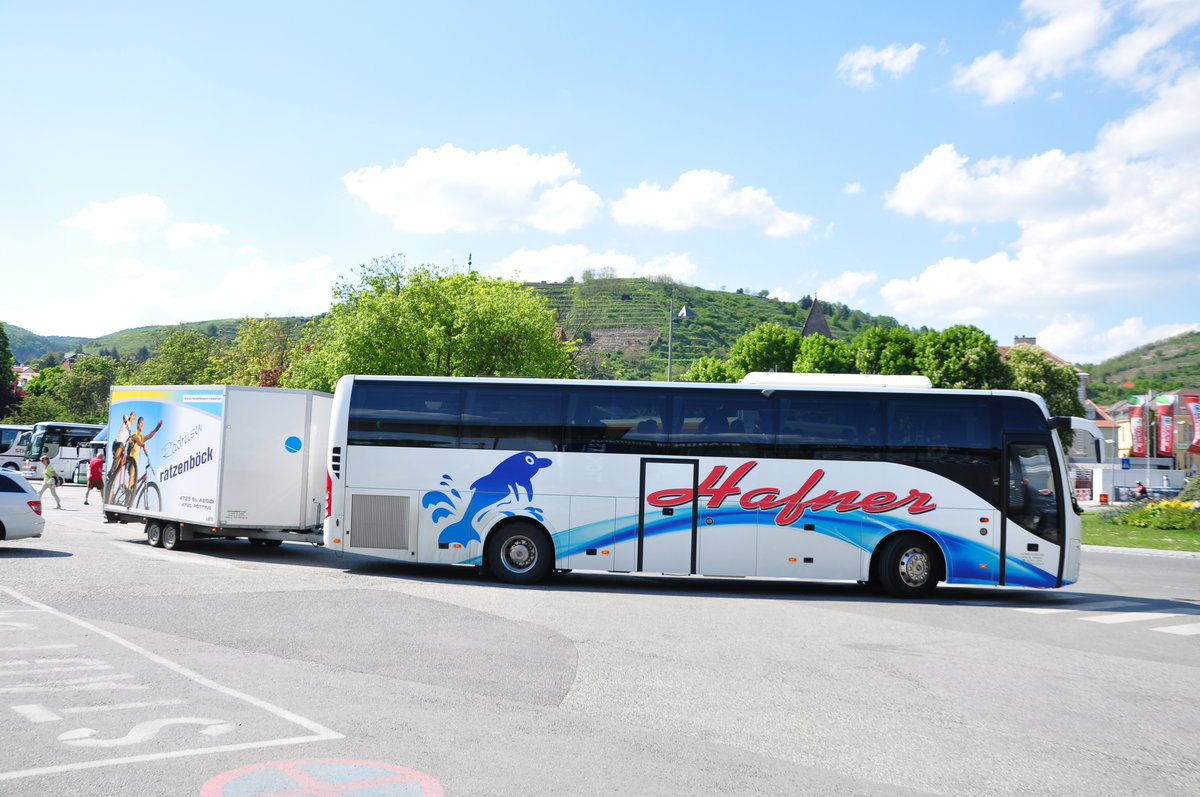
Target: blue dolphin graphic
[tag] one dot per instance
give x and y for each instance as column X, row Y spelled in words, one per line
column 506, row 479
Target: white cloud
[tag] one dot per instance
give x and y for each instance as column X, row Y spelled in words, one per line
column 852, row 188
column 1075, row 339
column 857, row 67
column 451, row 189
column 845, row 287
column 122, row 220
column 1075, row 36
column 943, row 188
column 556, row 263
column 1072, row 29
column 703, row 198
column 1088, row 222
column 1142, row 54
column 188, row 234
column 303, row 288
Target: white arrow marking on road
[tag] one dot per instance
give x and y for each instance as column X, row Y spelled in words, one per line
column 143, row 732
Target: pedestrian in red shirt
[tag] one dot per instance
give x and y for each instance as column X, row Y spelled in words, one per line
column 95, row 475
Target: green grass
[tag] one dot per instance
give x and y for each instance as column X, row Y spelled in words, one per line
column 1098, row 532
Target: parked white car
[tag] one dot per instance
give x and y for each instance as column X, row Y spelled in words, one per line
column 20, row 508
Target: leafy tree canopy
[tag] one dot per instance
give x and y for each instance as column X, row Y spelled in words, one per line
column 423, row 321
column 884, row 350
column 961, row 356
column 184, row 358
column 821, row 355
column 708, row 369
column 10, row 394
column 46, row 381
column 1057, row 384
column 258, row 355
column 767, row 347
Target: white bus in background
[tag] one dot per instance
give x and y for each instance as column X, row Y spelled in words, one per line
column 880, row 480
column 14, row 439
column 66, row 444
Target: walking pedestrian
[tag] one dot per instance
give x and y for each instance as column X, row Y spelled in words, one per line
column 49, row 479
column 95, row 475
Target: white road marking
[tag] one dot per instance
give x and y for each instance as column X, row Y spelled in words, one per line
column 317, row 732
column 9, row 625
column 36, row 713
column 120, row 706
column 28, row 648
column 1129, row 617
column 1190, row 629
column 88, row 683
column 143, row 732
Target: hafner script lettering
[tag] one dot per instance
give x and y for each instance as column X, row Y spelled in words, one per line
column 716, row 487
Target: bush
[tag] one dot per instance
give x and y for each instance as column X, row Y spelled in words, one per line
column 1169, row 514
column 1191, row 492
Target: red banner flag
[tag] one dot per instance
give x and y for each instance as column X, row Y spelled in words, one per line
column 1164, row 409
column 1137, row 426
column 1193, row 405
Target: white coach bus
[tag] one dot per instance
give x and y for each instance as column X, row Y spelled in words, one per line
column 66, row 444
column 14, row 439
column 880, row 480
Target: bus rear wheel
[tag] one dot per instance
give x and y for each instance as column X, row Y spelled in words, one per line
column 908, row 566
column 519, row 553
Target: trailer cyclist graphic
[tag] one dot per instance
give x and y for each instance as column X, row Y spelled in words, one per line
column 217, row 461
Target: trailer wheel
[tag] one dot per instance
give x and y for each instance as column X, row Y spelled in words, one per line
column 519, row 553
column 154, row 534
column 171, row 538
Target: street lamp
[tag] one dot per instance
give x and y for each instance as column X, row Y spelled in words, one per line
column 684, row 312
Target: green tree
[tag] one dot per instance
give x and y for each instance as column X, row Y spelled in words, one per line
column 10, row 393
column 821, row 355
column 961, row 356
column 1034, row 372
column 38, row 408
column 258, row 355
column 708, row 369
column 84, row 390
column 47, row 360
column 423, row 321
column 46, row 381
column 185, row 357
column 884, row 350
column 767, row 347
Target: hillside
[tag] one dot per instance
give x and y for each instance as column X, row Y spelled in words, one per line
column 623, row 325
column 1170, row 361
column 25, row 345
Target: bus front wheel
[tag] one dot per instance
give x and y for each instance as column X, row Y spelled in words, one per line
column 520, row 553
column 909, row 566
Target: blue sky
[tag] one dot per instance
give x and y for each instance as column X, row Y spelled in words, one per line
column 1031, row 168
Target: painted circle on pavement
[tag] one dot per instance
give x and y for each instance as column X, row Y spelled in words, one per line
column 293, row 444
column 322, row 777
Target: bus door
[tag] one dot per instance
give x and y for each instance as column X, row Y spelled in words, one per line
column 1031, row 537
column 667, row 534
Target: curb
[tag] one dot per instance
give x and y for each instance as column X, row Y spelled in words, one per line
column 1142, row 551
